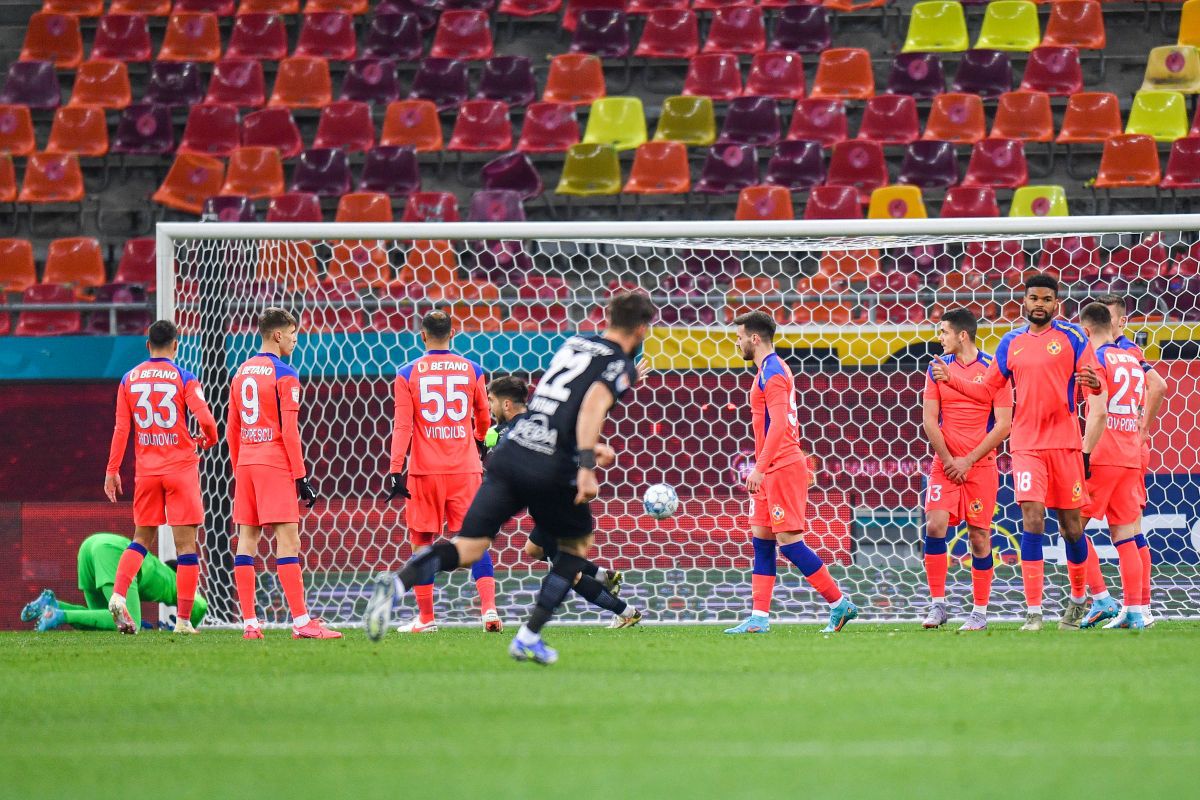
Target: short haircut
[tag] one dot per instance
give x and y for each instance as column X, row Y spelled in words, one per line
column 161, row 334
column 275, row 319
column 1043, row 281
column 629, row 311
column 1113, row 300
column 437, row 325
column 510, row 387
column 1096, row 316
column 759, row 322
column 962, row 321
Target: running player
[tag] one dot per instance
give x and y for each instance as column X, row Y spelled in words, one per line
column 156, row 396
column 778, row 484
column 269, row 475
column 1044, row 360
column 442, row 415
column 546, row 463
column 963, row 482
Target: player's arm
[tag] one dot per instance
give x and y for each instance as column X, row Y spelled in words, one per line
column 778, row 392
column 1093, row 427
column 194, row 397
column 1156, row 393
column 233, row 429
column 1088, row 370
column 116, row 451
column 996, row 435
column 592, row 413
column 993, row 381
column 288, row 390
column 482, row 412
column 931, row 418
column 402, row 428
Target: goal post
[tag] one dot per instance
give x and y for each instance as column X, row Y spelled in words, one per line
column 856, row 300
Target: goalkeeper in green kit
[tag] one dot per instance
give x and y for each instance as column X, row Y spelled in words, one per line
column 98, row 557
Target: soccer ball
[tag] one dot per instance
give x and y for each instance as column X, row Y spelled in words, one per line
column 660, row 501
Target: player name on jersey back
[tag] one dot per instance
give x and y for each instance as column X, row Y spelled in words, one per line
column 154, row 397
column 1123, row 377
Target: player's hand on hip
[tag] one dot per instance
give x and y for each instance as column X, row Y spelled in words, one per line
column 397, row 485
column 306, row 492
column 1087, row 377
column 112, row 487
column 754, row 481
column 605, row 456
column 939, row 371
column 586, row 485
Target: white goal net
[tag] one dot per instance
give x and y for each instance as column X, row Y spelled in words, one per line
column 857, row 301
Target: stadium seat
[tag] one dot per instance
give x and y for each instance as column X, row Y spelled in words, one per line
column 17, row 270
column 514, row 172
column 122, row 37
column 1039, row 201
column 896, row 202
column 177, row 84
column 52, row 178
column 365, row 207
column 801, row 29
column 1010, row 25
column 442, row 80
column 191, row 180
column 81, row 130
column 575, row 78
column 372, row 81
column 1071, row 257
column 833, row 202
column 463, row 34
column 1189, row 25
column 127, row 323
column 138, row 263
column 764, row 203
column 412, row 123
column 102, row 83
column 844, row 74
column 1076, row 23
column 987, row 73
column 999, row 163
column 508, row 79
column 917, row 74
column 327, row 35
column 254, row 172
column 689, row 120
column 258, row 36
column 54, row 38
column 936, row 26
column 1128, row 160
column 727, row 169
column 335, row 307
column 481, row 126
column 212, row 129
column 819, row 120
column 229, row 208
column 48, row 323
column 219, row 8
column 295, row 207
column 528, row 8
column 970, row 201
column 647, row 7
column 619, row 121
column 590, row 169
column 395, row 36
column 426, row 11
column 1174, row 69
column 33, row 84
column 76, row 8
column 1025, row 116
column 1090, row 117
column 238, row 83
column 16, row 131
column 8, row 179
column 391, row 170
column 325, row 172
column 993, row 259
column 272, row 127
column 147, row 8
column 430, row 207
column 302, row 82
column 191, row 37
column 1183, row 165
column 890, row 119
column 669, row 33
column 346, row 124
column 75, row 262
column 570, row 18
column 144, row 129
column 778, row 74
column 1053, row 70
column 956, row 118
column 752, row 120
column 548, row 128
column 714, row 75
column 602, row 33
column 858, row 164
column 929, row 164
column 797, row 165
column 659, row 167
column 1162, row 115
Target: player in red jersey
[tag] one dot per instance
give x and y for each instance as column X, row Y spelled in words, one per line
column 1044, row 360
column 778, row 485
column 156, row 397
column 269, row 474
column 1112, row 454
column 963, row 482
column 442, row 417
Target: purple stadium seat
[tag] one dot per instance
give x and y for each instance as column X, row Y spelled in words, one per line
column 392, row 171
column 987, row 73
column 31, row 83
column 175, row 84
column 917, row 74
column 426, row 12
column 801, row 29
column 508, row 79
column 228, row 208
column 442, row 80
column 929, row 164
column 144, row 129
column 728, row 168
column 602, row 33
column 752, row 120
column 129, row 323
column 394, row 35
column 324, row 172
column 513, row 171
column 796, row 164
column 371, row 80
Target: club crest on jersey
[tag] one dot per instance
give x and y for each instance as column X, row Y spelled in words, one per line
column 1053, row 348
column 422, row 366
column 976, row 506
column 777, row 514
column 977, row 379
column 1076, row 491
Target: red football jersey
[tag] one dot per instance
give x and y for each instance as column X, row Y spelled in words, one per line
column 1124, row 378
column 157, row 396
column 441, row 411
column 776, row 423
column 264, row 415
column 965, row 421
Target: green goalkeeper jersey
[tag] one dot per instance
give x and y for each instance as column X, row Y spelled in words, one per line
column 98, row 558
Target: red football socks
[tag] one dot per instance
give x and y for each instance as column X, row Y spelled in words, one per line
column 761, row 589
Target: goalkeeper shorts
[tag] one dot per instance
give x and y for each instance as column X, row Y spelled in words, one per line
column 439, row 502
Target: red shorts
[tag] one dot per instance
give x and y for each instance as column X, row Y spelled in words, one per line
column 781, row 503
column 168, row 499
column 1118, row 494
column 264, row 495
column 1053, row 478
column 439, row 502
column 973, row 501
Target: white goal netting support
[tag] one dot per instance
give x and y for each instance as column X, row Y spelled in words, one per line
column 857, row 302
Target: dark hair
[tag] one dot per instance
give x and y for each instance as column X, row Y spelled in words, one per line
column 510, row 387
column 1112, row 300
column 274, row 319
column 963, row 321
column 437, row 325
column 1096, row 315
column 1043, row 281
column 628, row 311
column 162, row 333
column 759, row 322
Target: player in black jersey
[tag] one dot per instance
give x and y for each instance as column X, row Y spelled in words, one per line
column 545, row 463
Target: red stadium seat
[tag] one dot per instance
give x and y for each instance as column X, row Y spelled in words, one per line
column 212, row 129
column 346, row 124
column 17, row 271
column 48, row 323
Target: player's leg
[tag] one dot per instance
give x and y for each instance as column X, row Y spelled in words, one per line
column 763, row 572
column 144, row 537
column 542, row 547
column 187, row 576
column 1029, row 488
column 596, row 585
column 96, row 617
column 982, row 571
column 564, row 572
column 425, row 516
column 1070, row 525
column 34, row 608
column 245, row 579
column 460, row 491
column 291, row 578
column 424, row 621
column 1130, row 564
column 1103, row 606
column 1147, row 564
column 937, row 564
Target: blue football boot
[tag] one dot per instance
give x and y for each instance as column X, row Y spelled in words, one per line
column 52, row 617
column 839, row 615
column 1103, row 609
column 755, row 623
column 33, row 610
column 537, row 652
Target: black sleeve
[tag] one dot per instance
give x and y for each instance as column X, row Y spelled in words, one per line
column 619, row 375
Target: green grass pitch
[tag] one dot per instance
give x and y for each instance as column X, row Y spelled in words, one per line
column 878, row 711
